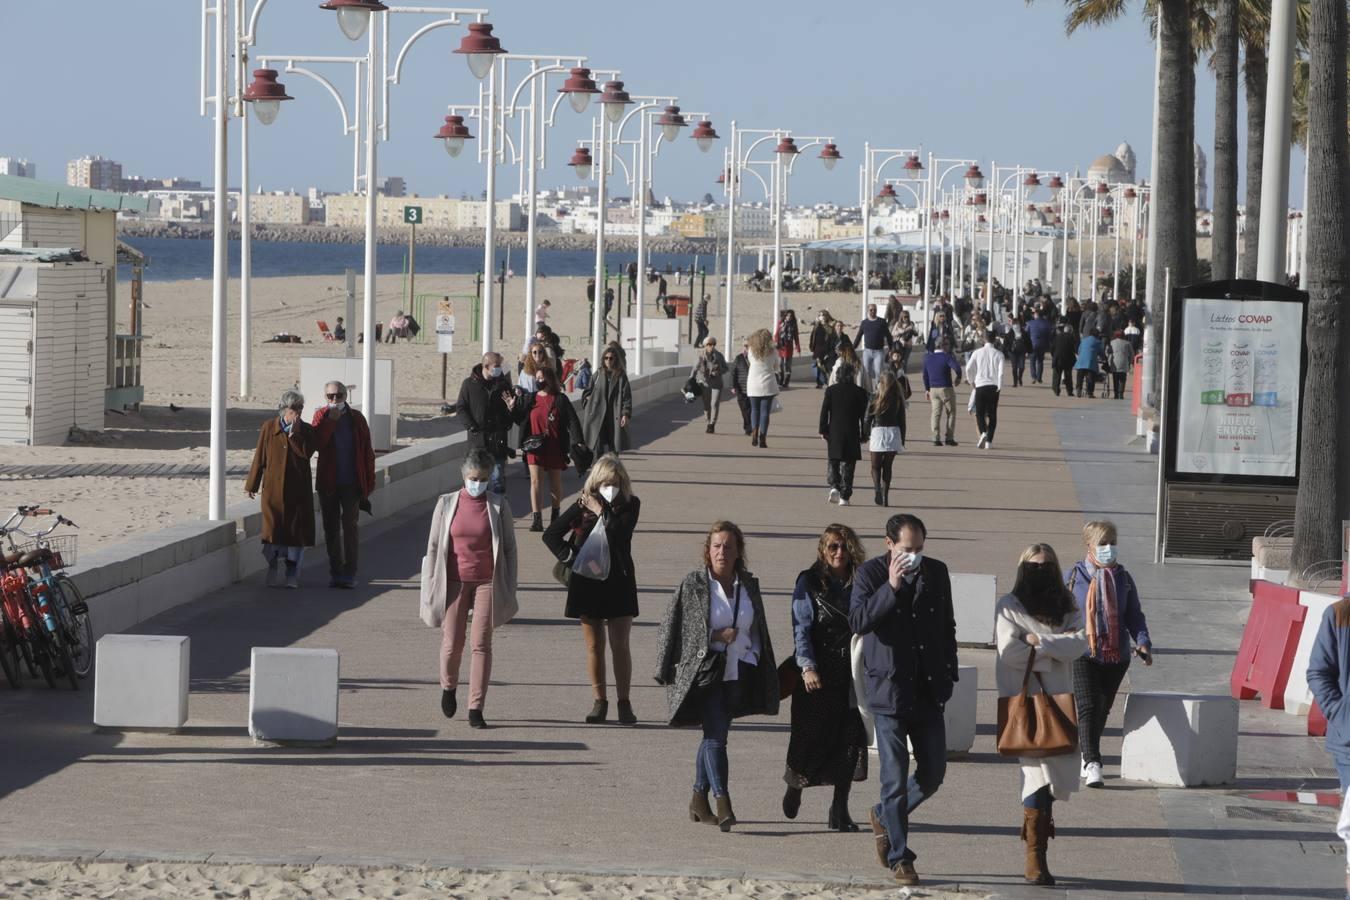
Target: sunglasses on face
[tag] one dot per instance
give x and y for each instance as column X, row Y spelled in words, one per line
column 834, row 548
column 609, row 358
column 1038, row 567
column 335, row 396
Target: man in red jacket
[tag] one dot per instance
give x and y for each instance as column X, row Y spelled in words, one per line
column 345, row 480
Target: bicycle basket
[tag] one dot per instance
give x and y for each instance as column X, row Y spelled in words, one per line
column 63, row 546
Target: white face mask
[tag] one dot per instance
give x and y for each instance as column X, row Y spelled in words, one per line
column 495, row 371
column 1106, row 554
column 609, row 492
column 475, row 488
column 338, row 405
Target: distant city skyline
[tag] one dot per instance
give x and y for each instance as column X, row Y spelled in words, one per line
column 931, row 77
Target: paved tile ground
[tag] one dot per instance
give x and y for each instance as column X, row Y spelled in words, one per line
column 540, row 788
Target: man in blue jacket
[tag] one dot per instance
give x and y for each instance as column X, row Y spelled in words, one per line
column 902, row 607
column 1329, row 678
column 1041, row 330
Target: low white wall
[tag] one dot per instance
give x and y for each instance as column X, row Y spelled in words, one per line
column 131, row 581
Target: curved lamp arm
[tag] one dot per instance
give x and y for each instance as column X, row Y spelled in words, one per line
column 347, row 126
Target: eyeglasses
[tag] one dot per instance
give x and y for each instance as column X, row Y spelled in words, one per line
column 834, row 548
column 335, row 396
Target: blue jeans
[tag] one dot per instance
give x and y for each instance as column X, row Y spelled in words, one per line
column 822, row 375
column 1037, row 358
column 497, row 480
column 710, row 765
column 1041, row 799
column 760, row 408
column 1343, row 770
column 872, row 361
column 900, row 794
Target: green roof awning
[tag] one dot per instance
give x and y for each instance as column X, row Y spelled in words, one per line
column 62, row 196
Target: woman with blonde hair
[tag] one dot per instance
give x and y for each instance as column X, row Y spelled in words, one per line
column 715, row 658
column 828, row 743
column 605, row 606
column 761, row 386
column 885, row 427
column 535, row 358
column 847, row 356
column 1039, row 626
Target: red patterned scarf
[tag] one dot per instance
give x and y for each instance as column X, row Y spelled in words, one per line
column 1103, row 615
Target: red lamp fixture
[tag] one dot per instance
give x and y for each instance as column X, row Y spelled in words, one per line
column 581, row 162
column 1102, row 188
column 974, row 177
column 579, row 87
column 266, row 94
column 981, row 200
column 454, row 133
column 1130, row 194
column 671, row 122
column 614, row 98
column 1056, row 184
column 787, row 146
column 887, row 194
column 704, row 134
column 982, row 220
column 913, row 167
column 944, row 215
column 480, row 46
column 354, row 15
column 830, row 156
column 1032, row 180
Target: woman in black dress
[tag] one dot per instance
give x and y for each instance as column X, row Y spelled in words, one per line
column 608, row 605
column 828, row 743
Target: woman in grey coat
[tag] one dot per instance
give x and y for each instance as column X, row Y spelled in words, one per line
column 717, row 609
column 710, row 371
column 607, row 406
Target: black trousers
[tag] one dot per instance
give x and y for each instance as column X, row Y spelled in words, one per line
column 839, row 475
column 744, row 403
column 340, row 532
column 1095, row 686
column 986, row 410
column 1118, row 384
column 1087, row 380
column 1062, row 374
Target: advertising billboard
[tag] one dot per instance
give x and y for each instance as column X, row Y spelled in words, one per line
column 1237, row 398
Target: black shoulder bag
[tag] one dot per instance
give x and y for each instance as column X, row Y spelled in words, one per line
column 712, row 668
column 533, row 443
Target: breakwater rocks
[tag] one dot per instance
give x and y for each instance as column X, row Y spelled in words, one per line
column 398, row 234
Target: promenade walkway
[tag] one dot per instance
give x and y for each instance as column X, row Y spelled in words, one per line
column 542, row 790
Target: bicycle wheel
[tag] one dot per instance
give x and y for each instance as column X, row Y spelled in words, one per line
column 42, row 653
column 74, row 612
column 9, row 654
column 59, row 643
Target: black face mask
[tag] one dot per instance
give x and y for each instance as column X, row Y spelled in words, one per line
column 1040, row 581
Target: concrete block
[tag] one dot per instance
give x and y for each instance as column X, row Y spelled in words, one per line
column 959, row 713
column 141, row 681
column 293, row 695
column 1298, row 697
column 973, row 599
column 1182, row 740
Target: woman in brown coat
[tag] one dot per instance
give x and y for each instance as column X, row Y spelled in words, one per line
column 281, row 468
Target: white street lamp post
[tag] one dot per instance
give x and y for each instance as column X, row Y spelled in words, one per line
column 871, row 171
column 1275, row 166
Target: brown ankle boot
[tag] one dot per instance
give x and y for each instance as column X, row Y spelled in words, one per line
column 700, row 811
column 754, row 438
column 725, row 816
column 1037, row 829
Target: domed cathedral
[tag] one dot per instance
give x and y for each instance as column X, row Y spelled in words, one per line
column 1114, row 168
column 1125, row 153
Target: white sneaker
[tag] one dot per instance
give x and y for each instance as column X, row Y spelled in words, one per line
column 292, row 582
column 834, row 495
column 1093, row 774
column 1082, row 769
column 989, row 444
column 982, row 442
column 843, row 501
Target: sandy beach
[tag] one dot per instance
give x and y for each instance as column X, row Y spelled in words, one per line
column 172, row 427
column 27, row 879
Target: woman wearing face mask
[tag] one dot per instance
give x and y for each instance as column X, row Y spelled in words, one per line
column 281, row 469
column 1106, row 594
column 1039, row 615
column 550, row 415
column 605, row 608
column 828, row 743
column 470, row 564
column 607, row 405
column 716, row 612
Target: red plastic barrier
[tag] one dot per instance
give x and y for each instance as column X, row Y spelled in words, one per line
column 1268, row 643
column 1317, row 723
column 1137, row 384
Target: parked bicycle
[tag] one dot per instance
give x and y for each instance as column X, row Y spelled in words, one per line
column 45, row 617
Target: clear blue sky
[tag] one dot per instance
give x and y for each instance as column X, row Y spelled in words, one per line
column 993, row 79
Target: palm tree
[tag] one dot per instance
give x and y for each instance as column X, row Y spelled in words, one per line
column 1223, row 262
column 1254, row 74
column 1324, row 479
column 1174, row 191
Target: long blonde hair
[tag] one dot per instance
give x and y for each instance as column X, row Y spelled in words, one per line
column 761, row 344
column 605, row 470
column 887, row 391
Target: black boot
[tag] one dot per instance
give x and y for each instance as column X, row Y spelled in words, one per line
column 537, row 523
column 876, row 488
column 792, row 801
column 448, row 704
column 599, row 712
column 553, row 516
column 840, row 820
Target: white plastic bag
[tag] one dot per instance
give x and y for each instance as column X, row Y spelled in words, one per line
column 593, row 558
column 777, row 405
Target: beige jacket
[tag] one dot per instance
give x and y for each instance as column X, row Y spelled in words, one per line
column 436, row 581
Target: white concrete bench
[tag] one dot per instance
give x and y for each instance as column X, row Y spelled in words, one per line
column 1270, row 558
column 973, row 601
column 141, row 682
column 293, row 696
column 1183, row 740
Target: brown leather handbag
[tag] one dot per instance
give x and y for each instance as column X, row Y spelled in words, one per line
column 1037, row 725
